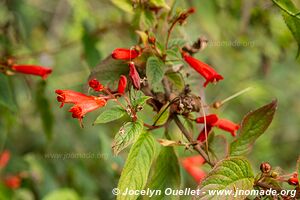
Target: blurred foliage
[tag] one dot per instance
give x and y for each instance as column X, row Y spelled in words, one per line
column 249, row 43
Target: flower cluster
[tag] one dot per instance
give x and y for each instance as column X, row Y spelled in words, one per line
column 11, row 181
column 129, row 54
column 83, row 104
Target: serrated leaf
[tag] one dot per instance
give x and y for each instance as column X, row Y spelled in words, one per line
column 62, row 194
column 135, row 173
column 127, row 135
column 43, row 107
column 160, row 3
column 109, row 70
column 176, row 79
column 140, row 99
column 110, row 114
column 166, row 174
column 162, row 116
column 253, row 125
column 229, row 174
column 6, row 97
column 177, row 42
column 154, row 71
column 125, row 5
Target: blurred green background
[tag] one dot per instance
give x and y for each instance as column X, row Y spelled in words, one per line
column 249, row 44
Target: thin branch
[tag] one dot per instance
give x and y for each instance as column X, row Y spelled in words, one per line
column 191, row 140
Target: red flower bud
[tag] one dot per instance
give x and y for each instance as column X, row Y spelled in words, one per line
column 80, row 109
column 94, row 83
column 33, row 70
column 210, row 119
column 151, row 40
column 134, row 76
column 122, row 84
column 293, row 181
column 191, row 10
column 265, row 167
column 12, row 182
column 125, row 54
column 69, row 96
column 192, row 166
column 4, row 158
column 204, row 69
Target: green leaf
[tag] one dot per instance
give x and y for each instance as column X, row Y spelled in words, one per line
column 62, row 194
column 290, row 14
column 125, row 5
column 89, row 41
column 293, row 24
column 135, row 173
column 254, row 125
column 166, row 173
column 228, row 174
column 154, row 71
column 160, row 3
column 110, row 114
column 6, row 97
column 43, row 107
column 144, row 19
column 141, row 101
column 162, row 116
column 109, row 70
column 176, row 79
column 177, row 42
column 127, row 135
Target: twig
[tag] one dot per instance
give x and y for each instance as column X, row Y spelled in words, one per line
column 191, row 140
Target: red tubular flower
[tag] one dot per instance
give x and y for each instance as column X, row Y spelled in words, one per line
column 96, row 85
column 80, row 109
column 134, row 76
column 12, row 182
column 228, row 126
column 4, row 158
column 33, row 70
column 202, row 68
column 122, row 84
column 69, row 96
column 125, row 54
column 202, row 135
column 213, row 121
column 192, row 166
column 210, row 119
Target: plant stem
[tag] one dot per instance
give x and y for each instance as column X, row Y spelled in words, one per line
column 169, row 33
column 191, row 140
